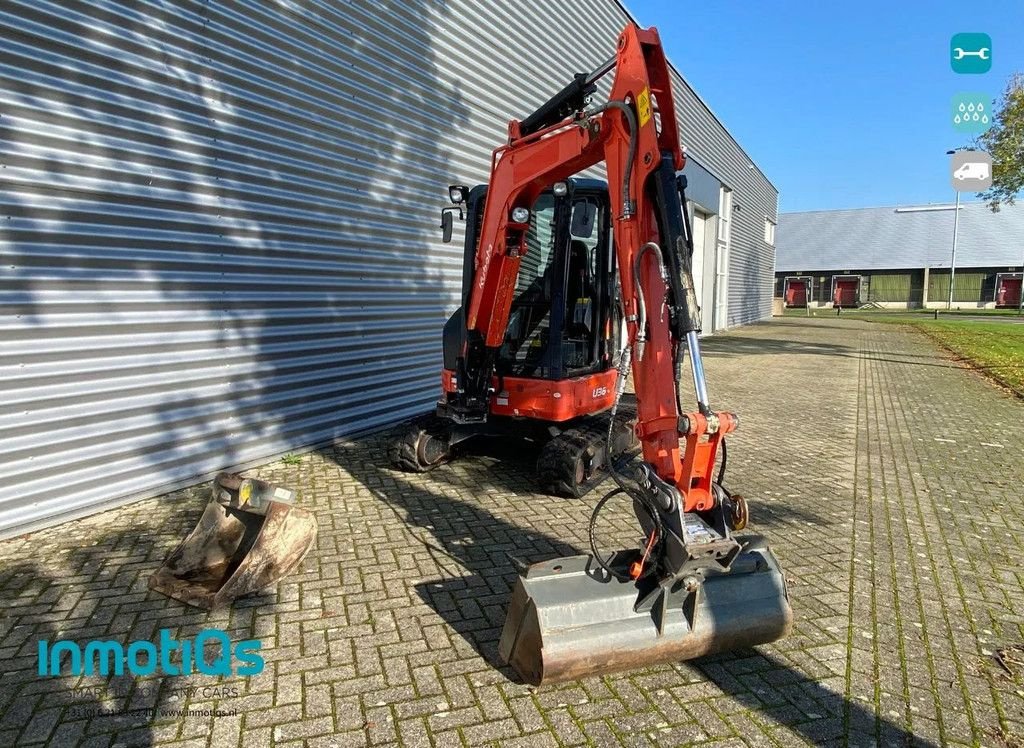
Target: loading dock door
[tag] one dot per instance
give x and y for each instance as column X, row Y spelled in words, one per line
column 1008, row 291
column 796, row 293
column 846, row 292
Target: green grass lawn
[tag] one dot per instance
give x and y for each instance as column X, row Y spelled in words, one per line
column 996, row 348
column 827, row 312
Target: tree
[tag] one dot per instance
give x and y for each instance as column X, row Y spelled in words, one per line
column 1004, row 141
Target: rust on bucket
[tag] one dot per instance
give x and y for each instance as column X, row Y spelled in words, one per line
column 235, row 550
column 577, row 622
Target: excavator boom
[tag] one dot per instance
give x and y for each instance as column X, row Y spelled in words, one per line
column 693, row 587
column 634, row 134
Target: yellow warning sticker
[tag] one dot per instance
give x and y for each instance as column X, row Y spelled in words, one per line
column 643, row 106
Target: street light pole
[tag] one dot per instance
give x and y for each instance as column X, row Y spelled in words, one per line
column 952, row 260
column 1020, row 294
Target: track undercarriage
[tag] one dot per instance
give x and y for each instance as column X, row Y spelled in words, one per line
column 573, row 457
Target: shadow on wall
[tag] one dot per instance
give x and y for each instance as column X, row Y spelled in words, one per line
column 224, row 229
column 472, row 546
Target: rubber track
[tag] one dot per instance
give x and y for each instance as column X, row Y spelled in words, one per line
column 556, row 465
column 402, row 449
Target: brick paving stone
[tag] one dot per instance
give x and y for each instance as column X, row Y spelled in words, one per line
column 884, row 474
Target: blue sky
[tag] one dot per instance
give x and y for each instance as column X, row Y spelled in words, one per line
column 842, row 104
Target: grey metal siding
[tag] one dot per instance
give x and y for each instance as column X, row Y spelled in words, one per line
column 218, row 222
column 910, row 237
column 751, row 259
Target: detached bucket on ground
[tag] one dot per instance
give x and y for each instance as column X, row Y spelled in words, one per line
column 568, row 620
column 249, row 537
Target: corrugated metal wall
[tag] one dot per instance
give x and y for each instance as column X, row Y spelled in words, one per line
column 893, row 287
column 218, row 222
column 970, row 286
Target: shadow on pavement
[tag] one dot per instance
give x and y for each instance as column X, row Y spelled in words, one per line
column 799, row 702
column 729, row 346
column 33, row 704
column 509, row 465
column 472, row 546
column 98, row 591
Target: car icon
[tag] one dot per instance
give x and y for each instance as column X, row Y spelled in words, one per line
column 972, row 170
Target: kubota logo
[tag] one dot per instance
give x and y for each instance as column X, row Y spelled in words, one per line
column 145, row 658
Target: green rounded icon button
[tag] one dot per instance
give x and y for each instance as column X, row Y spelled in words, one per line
column 970, row 53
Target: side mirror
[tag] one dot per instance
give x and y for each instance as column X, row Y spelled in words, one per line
column 446, row 226
column 584, row 217
column 447, row 220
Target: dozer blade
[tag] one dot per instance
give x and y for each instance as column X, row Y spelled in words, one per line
column 235, row 549
column 568, row 620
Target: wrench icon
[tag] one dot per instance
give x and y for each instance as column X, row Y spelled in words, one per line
column 959, row 53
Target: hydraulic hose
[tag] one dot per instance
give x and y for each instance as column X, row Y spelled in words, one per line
column 641, row 302
column 625, row 359
column 642, row 499
column 620, row 386
column 721, row 468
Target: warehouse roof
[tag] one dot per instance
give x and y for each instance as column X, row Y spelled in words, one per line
column 896, row 238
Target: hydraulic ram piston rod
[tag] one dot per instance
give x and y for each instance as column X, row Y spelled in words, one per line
column 700, row 385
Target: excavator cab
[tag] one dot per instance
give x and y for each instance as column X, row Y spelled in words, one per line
column 562, row 299
column 554, row 372
column 563, row 303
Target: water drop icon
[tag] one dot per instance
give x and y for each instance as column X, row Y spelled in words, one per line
column 962, row 107
column 970, row 107
column 956, row 120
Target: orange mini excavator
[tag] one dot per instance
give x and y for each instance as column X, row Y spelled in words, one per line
column 536, row 341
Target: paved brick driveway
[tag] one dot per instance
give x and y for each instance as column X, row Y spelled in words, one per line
column 888, row 479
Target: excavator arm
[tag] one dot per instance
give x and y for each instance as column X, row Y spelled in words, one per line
column 692, row 587
column 635, row 135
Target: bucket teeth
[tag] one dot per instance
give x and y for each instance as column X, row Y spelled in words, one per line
column 567, row 619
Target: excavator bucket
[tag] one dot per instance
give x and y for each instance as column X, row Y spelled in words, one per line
column 568, row 619
column 249, row 537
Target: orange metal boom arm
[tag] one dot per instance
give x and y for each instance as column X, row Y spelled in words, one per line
column 642, row 153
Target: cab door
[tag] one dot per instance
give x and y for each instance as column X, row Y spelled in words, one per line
column 589, row 285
